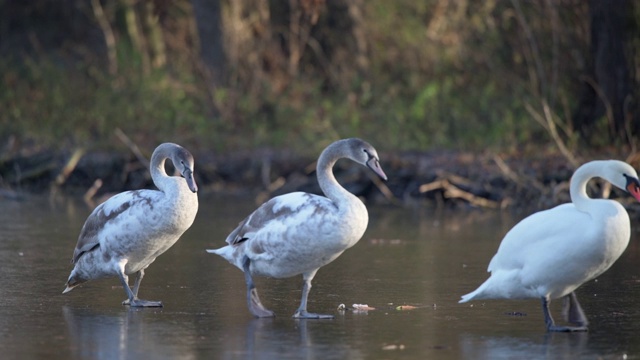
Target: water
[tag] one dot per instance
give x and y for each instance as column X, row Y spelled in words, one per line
column 416, row 257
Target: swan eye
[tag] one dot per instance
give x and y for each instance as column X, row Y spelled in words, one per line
column 632, row 184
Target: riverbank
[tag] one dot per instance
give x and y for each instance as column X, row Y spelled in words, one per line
column 446, row 179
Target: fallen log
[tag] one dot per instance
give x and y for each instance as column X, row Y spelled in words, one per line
column 450, row 191
column 69, row 167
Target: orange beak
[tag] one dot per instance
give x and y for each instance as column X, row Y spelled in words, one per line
column 633, row 187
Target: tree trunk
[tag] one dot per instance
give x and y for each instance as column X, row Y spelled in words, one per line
column 607, row 85
column 209, row 24
column 154, row 30
column 136, row 34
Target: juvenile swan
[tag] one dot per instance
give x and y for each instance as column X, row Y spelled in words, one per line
column 125, row 234
column 551, row 253
column 298, row 233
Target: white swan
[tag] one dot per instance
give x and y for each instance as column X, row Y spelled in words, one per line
column 551, row 253
column 297, row 233
column 125, row 234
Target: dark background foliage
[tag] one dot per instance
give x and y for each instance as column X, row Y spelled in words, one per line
column 508, row 75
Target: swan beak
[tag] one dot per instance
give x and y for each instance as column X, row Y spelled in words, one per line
column 633, row 187
column 374, row 165
column 191, row 182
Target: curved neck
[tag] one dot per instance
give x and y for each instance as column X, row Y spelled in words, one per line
column 324, row 171
column 579, row 180
column 158, row 173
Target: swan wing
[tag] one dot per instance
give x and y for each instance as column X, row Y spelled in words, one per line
column 550, row 234
column 283, row 214
column 121, row 212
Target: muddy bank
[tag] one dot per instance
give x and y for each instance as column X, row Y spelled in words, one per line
column 438, row 178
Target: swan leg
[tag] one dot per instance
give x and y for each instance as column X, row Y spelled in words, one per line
column 572, row 311
column 253, row 300
column 551, row 326
column 302, row 313
column 132, row 296
column 136, row 286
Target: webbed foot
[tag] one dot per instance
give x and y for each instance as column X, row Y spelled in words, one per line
column 575, row 314
column 556, row 328
column 303, row 314
column 256, row 307
column 142, row 303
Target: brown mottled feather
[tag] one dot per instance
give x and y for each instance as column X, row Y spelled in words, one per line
column 88, row 239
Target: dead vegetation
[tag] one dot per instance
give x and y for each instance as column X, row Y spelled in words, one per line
column 446, row 179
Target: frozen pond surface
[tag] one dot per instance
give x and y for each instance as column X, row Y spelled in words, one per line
column 419, row 258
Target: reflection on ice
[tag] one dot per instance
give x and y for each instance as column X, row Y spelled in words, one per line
column 290, row 339
column 418, row 258
column 122, row 334
column 545, row 346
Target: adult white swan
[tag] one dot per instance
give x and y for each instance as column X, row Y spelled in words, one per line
column 125, row 234
column 551, row 253
column 298, row 233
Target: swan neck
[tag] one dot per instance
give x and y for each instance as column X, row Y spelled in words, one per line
column 158, row 172
column 579, row 180
column 326, row 179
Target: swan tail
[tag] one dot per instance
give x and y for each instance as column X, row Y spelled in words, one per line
column 468, row 297
column 72, row 282
column 225, row 252
column 502, row 285
column 229, row 253
column 481, row 292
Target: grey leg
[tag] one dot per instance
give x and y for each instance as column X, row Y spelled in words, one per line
column 136, row 286
column 572, row 311
column 132, row 296
column 125, row 284
column 551, row 326
column 302, row 313
column 253, row 300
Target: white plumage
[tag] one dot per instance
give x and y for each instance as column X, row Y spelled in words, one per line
column 125, row 234
column 551, row 253
column 298, row 233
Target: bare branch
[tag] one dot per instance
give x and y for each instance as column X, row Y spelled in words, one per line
column 109, row 38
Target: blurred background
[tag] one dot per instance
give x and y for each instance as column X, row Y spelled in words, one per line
column 471, row 104
column 516, row 77
column 411, row 74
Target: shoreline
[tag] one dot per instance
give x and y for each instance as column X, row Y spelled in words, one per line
column 449, row 179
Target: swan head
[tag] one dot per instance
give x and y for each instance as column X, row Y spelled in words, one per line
column 362, row 152
column 623, row 176
column 184, row 163
column 633, row 187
